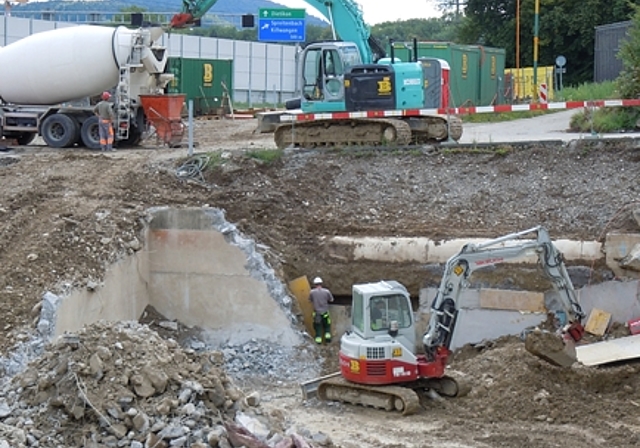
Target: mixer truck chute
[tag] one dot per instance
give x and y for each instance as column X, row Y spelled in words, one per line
column 48, row 78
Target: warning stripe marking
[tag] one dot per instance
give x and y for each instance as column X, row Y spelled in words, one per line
column 300, row 116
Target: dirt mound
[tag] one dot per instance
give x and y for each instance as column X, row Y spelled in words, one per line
column 510, row 385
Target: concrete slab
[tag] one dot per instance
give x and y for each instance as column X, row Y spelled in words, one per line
column 621, row 299
column 598, row 322
column 475, row 326
column 605, row 352
column 502, row 299
column 426, row 250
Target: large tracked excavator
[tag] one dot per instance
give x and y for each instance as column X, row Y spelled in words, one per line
column 379, row 363
column 352, row 73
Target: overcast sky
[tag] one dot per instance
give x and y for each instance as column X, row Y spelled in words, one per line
column 376, row 11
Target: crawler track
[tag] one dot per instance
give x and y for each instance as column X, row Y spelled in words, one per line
column 367, row 132
column 354, row 132
column 389, row 398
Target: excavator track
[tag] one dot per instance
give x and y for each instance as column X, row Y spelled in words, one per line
column 368, row 132
column 436, row 129
column 339, row 133
column 445, row 386
column 389, row 398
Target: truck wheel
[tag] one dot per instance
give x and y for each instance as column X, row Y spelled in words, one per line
column 90, row 133
column 59, row 131
column 24, row 138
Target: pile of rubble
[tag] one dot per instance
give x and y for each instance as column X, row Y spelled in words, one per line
column 122, row 385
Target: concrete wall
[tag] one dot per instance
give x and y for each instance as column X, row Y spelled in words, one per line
column 191, row 272
column 122, row 296
column 426, row 250
column 199, row 279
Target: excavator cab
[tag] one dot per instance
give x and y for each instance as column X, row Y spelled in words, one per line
column 323, row 67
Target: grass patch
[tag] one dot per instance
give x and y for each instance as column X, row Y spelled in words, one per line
column 266, row 156
column 605, row 120
column 590, row 91
column 213, row 159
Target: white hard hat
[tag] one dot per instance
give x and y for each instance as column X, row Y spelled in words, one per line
column 317, row 281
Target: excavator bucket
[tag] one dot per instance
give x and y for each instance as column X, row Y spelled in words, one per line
column 555, row 349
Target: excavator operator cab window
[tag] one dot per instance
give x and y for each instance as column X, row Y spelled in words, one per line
column 385, row 309
column 312, row 66
column 323, row 75
column 333, row 74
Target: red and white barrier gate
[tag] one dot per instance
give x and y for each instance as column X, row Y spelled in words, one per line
column 299, row 116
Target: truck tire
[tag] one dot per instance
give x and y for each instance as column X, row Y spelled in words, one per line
column 60, row 131
column 24, row 138
column 90, row 133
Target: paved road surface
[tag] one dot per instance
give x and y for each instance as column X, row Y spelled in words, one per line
column 546, row 127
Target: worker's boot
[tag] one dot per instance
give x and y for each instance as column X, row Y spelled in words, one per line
column 318, row 340
column 327, row 337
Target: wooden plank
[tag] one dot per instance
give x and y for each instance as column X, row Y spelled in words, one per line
column 613, row 350
column 301, row 288
column 598, row 322
column 502, row 299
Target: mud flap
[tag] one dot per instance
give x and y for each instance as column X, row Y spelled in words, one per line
column 557, row 350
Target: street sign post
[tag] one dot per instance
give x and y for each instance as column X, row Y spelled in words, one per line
column 281, row 25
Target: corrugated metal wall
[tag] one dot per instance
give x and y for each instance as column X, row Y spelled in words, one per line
column 609, row 39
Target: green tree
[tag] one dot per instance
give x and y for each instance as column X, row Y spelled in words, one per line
column 629, row 80
column 441, row 29
column 566, row 27
column 315, row 33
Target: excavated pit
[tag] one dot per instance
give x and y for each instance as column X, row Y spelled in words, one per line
column 200, row 281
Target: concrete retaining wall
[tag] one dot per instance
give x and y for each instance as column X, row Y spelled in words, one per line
column 193, row 272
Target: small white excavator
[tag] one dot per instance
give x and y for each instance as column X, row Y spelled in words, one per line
column 379, row 366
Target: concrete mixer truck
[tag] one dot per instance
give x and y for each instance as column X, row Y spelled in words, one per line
column 48, row 78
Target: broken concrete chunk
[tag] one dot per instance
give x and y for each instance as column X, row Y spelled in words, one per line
column 253, row 399
column 157, row 378
column 142, row 386
column 169, row 325
column 632, row 259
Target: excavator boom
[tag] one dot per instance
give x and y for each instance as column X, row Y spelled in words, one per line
column 192, row 10
column 444, row 309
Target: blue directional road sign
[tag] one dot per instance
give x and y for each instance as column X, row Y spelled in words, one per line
column 281, row 25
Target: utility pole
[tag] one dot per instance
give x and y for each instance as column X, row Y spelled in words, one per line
column 536, row 26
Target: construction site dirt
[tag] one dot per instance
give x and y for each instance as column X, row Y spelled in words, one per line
column 67, row 214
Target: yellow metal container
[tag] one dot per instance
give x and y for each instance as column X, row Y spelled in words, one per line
column 519, row 83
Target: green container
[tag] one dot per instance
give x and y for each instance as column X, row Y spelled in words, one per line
column 201, row 80
column 465, row 62
column 492, row 76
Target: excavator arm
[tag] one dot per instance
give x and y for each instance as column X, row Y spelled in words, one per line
column 444, row 309
column 344, row 16
column 192, row 10
column 347, row 24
